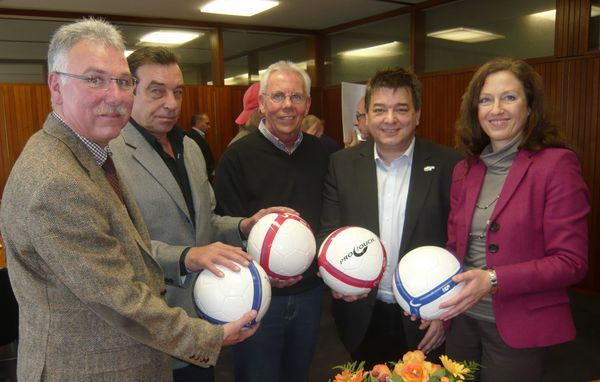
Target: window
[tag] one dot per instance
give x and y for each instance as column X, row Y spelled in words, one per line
column 470, row 32
column 594, row 40
column 247, row 54
column 356, row 53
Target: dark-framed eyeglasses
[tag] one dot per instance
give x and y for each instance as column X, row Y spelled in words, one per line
column 125, row 83
column 360, row 116
column 279, row 97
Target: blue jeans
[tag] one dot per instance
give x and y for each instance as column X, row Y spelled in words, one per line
column 283, row 347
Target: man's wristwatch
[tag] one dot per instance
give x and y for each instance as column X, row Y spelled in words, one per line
column 493, row 280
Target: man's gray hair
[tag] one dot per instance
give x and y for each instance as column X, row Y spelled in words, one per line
column 68, row 35
column 284, row 65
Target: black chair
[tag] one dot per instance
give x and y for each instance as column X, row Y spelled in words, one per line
column 9, row 319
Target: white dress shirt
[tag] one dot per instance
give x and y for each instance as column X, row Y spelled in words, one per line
column 392, row 192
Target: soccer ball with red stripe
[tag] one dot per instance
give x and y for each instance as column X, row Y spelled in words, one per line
column 283, row 244
column 352, row 260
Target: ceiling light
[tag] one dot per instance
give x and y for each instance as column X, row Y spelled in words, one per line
column 170, row 37
column 383, row 50
column 546, row 15
column 551, row 14
column 467, row 35
column 238, row 7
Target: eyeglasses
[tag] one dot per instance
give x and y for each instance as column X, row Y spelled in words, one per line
column 279, row 97
column 360, row 116
column 125, row 83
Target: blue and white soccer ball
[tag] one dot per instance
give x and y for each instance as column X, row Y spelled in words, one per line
column 220, row 300
column 352, row 260
column 423, row 280
column 283, row 244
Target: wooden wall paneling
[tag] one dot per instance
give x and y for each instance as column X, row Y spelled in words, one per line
column 217, row 58
column 332, row 111
column 572, row 26
column 441, row 98
column 4, row 146
column 189, row 107
column 574, row 99
column 222, row 108
column 24, row 110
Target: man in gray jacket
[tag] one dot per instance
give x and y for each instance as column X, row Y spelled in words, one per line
column 166, row 173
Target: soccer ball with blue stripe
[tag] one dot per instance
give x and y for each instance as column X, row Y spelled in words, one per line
column 220, row 300
column 423, row 280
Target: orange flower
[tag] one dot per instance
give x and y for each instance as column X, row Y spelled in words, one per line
column 416, row 356
column 412, row 372
column 344, row 376
column 381, row 372
column 358, row 376
column 348, row 376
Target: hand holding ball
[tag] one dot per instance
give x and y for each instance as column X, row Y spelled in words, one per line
column 423, row 280
column 352, row 260
column 283, row 244
column 225, row 299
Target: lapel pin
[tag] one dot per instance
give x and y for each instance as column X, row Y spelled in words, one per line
column 428, row 168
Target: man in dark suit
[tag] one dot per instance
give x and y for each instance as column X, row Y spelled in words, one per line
column 396, row 185
column 200, row 125
column 90, row 293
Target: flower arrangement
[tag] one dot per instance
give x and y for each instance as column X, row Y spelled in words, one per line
column 412, row 368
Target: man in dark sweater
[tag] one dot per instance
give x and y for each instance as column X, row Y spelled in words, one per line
column 278, row 164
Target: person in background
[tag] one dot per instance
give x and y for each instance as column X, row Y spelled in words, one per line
column 313, row 125
column 278, row 165
column 200, row 125
column 361, row 131
column 396, row 185
column 250, row 117
column 90, row 293
column 517, row 222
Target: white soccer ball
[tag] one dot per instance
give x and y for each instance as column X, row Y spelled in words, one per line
column 220, row 300
column 283, row 244
column 423, row 280
column 352, row 260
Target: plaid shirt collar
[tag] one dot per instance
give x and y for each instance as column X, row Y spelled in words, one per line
column 98, row 152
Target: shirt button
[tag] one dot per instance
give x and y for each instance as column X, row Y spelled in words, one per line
column 493, row 248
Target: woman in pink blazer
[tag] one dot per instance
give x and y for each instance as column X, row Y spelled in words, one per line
column 518, row 224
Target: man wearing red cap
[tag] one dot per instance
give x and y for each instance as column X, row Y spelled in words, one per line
column 249, row 118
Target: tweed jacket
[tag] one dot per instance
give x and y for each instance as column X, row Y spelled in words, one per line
column 536, row 240
column 90, row 293
column 350, row 199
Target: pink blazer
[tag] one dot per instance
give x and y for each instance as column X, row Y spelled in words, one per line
column 537, row 241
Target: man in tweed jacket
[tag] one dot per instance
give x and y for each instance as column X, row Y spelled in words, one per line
column 90, row 293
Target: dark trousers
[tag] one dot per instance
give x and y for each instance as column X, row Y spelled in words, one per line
column 390, row 335
column 470, row 339
column 193, row 373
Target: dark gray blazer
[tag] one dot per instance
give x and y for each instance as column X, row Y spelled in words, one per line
column 350, row 199
column 90, row 293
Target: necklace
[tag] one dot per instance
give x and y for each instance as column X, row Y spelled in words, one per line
column 485, row 207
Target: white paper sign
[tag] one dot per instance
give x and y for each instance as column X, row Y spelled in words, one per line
column 351, row 93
